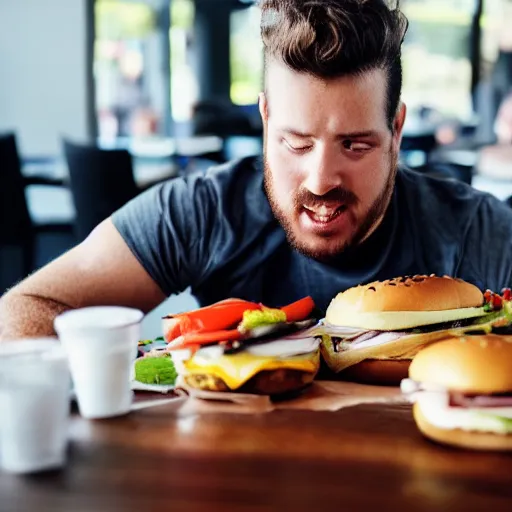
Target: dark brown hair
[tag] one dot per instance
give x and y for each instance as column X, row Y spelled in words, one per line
column 334, row 38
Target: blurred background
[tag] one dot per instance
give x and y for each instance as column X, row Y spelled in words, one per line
column 101, row 99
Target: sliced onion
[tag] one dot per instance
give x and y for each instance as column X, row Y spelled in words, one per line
column 211, row 352
column 379, row 339
column 413, row 389
column 284, row 347
column 339, row 330
column 368, row 335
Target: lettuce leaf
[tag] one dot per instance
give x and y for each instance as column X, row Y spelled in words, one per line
column 484, row 422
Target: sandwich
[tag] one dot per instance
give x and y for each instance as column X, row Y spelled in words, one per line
column 241, row 346
column 371, row 332
column 462, row 392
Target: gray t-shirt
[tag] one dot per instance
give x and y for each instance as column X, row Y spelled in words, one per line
column 216, row 233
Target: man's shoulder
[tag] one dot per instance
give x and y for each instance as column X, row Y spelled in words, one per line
column 452, row 208
column 438, row 196
column 237, row 188
column 219, row 188
column 236, row 172
column 416, row 183
column 225, row 182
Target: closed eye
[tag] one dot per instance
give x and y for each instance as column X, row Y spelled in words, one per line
column 355, row 146
column 297, row 148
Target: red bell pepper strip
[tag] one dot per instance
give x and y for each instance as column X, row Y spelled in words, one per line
column 299, row 310
column 220, row 316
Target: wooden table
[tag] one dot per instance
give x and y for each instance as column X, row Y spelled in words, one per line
column 367, row 457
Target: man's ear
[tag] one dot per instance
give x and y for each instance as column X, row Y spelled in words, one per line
column 263, row 105
column 398, row 125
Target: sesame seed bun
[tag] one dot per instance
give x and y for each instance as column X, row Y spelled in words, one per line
column 405, row 302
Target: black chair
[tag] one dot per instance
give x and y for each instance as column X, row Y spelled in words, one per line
column 101, row 182
column 424, row 142
column 224, row 120
column 17, row 228
column 220, row 118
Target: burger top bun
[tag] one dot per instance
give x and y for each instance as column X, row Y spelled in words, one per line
column 427, row 300
column 471, row 364
column 417, row 293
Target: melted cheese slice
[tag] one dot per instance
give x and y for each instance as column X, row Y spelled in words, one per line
column 236, row 369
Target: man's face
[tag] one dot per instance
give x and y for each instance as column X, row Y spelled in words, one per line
column 330, row 157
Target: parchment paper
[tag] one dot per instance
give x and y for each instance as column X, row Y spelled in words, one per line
column 320, row 396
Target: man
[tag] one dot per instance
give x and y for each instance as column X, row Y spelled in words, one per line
column 325, row 210
column 495, row 160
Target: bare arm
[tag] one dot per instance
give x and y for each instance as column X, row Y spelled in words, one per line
column 101, row 270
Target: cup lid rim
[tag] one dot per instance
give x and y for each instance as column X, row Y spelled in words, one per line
column 26, row 347
column 62, row 321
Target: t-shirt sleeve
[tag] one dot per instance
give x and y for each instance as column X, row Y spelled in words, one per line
column 487, row 251
column 175, row 230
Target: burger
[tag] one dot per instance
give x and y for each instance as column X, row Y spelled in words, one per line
column 240, row 346
column 371, row 332
column 462, row 392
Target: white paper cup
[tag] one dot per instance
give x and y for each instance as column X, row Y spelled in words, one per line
column 34, row 405
column 101, row 344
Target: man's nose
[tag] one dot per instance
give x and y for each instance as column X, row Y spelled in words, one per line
column 323, row 171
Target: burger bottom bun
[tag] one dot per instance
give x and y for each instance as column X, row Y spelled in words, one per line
column 383, row 372
column 461, row 438
column 266, row 382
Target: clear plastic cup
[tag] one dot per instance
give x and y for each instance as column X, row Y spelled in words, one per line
column 101, row 345
column 34, row 405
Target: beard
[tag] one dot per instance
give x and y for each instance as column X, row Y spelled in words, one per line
column 336, row 246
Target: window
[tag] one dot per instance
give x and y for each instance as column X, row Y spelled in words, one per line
column 130, row 90
column 184, row 86
column 496, row 33
column 436, row 56
column 246, row 50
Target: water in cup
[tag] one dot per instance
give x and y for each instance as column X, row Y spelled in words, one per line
column 34, row 405
column 101, row 344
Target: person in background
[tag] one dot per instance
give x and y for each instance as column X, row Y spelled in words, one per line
column 495, row 160
column 326, row 206
column 491, row 93
column 503, row 124
column 495, row 157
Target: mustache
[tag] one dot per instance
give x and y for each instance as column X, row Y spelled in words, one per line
column 333, row 198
